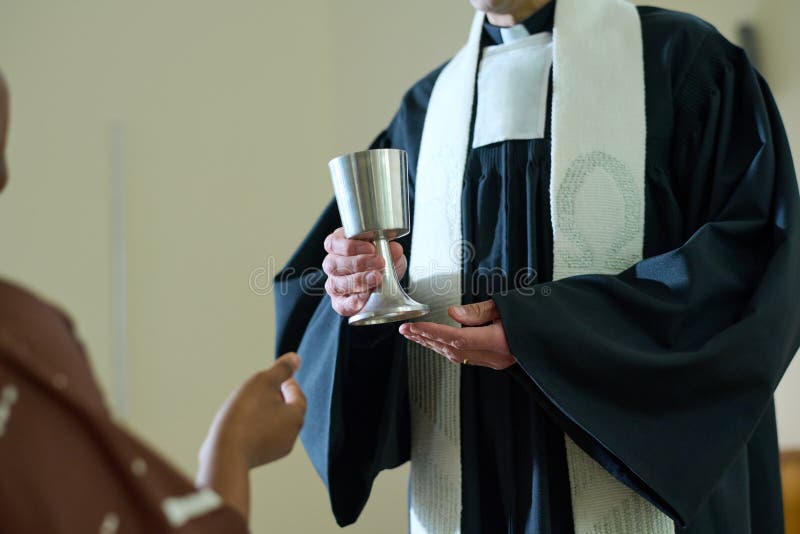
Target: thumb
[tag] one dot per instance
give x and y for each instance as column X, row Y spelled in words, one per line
column 474, row 314
column 293, row 395
column 283, row 368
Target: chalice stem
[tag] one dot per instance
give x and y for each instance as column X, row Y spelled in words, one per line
column 390, row 285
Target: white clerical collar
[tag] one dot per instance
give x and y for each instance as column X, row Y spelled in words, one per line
column 513, row 81
column 514, row 33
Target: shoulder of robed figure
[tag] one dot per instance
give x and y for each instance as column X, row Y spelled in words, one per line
column 678, row 43
column 416, row 98
column 677, row 46
column 405, row 129
column 674, row 42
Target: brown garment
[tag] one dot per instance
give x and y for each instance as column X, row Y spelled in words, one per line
column 65, row 466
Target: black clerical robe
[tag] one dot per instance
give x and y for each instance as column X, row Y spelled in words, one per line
column 664, row 373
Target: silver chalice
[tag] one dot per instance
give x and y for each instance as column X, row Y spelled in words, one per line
column 372, row 195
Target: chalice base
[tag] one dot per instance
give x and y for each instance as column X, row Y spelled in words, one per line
column 389, row 303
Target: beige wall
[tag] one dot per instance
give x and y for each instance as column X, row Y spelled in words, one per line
column 781, row 67
column 229, row 115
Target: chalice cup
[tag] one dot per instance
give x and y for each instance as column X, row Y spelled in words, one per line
column 371, row 189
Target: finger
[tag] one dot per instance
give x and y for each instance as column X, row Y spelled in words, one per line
column 336, row 234
column 334, row 265
column 491, row 338
column 475, row 314
column 337, row 243
column 438, row 332
column 283, row 368
column 350, row 284
column 293, row 395
column 349, row 305
column 480, row 358
column 396, row 249
column 400, row 266
column 448, row 351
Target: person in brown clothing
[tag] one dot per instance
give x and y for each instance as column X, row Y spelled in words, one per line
column 66, row 467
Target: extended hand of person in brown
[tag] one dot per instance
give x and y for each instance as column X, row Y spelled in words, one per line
column 259, row 423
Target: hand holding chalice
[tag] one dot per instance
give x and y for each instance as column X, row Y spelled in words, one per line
column 372, row 195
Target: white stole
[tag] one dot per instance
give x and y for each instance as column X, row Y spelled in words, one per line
column 435, row 279
column 597, row 212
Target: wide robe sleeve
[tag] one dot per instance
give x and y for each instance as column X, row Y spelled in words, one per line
column 662, row 373
column 355, row 378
